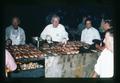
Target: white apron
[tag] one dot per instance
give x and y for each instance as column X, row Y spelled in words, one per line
column 15, row 37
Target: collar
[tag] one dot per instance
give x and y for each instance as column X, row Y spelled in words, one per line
column 89, row 28
column 14, row 28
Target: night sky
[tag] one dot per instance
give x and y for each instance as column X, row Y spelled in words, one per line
column 33, row 14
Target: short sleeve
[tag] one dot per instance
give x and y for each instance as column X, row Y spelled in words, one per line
column 10, row 62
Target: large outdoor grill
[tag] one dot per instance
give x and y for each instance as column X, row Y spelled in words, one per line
column 53, row 56
column 71, row 48
column 28, row 59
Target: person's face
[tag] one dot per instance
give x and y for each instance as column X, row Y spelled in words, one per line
column 108, row 41
column 106, row 26
column 15, row 22
column 55, row 22
column 88, row 24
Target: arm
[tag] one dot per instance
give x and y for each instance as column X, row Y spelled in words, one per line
column 65, row 34
column 23, row 38
column 101, row 26
column 7, row 31
column 94, row 75
column 44, row 33
column 101, row 48
column 82, row 36
column 96, row 72
column 97, row 35
column 10, row 62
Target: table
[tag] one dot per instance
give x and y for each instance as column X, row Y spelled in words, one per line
column 70, row 66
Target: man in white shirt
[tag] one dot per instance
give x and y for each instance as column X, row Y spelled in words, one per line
column 89, row 33
column 104, row 66
column 55, row 31
column 15, row 33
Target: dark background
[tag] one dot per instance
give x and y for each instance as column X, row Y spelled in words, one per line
column 32, row 14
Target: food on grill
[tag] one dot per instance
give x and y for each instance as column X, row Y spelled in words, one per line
column 31, row 65
column 25, row 51
column 72, row 47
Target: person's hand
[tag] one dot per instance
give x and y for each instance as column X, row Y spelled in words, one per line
column 64, row 41
column 8, row 42
column 49, row 38
column 94, row 75
column 99, row 47
column 7, row 69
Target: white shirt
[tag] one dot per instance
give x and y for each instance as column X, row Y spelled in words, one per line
column 52, row 68
column 104, row 65
column 16, row 35
column 90, row 34
column 9, row 61
column 57, row 34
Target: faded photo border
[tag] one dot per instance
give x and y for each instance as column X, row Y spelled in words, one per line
column 64, row 3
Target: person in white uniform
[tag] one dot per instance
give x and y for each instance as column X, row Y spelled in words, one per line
column 104, row 68
column 55, row 31
column 15, row 33
column 89, row 33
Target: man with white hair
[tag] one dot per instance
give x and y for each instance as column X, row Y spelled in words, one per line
column 55, row 32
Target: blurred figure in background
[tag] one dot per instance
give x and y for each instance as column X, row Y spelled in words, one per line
column 81, row 26
column 15, row 33
column 101, row 26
